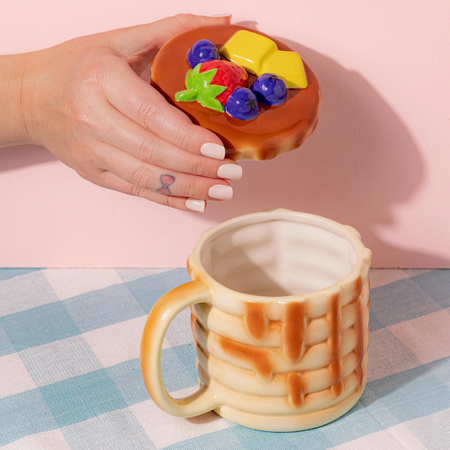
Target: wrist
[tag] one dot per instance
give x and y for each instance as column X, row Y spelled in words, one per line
column 13, row 100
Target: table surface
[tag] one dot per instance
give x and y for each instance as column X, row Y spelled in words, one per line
column 70, row 375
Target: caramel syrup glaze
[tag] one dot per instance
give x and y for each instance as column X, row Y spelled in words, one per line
column 334, row 340
column 277, row 129
column 255, row 319
column 259, row 357
column 293, row 329
column 359, row 326
column 296, row 389
column 193, row 320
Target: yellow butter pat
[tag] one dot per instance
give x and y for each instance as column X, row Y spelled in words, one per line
column 259, row 54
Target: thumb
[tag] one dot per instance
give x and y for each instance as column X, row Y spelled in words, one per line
column 144, row 38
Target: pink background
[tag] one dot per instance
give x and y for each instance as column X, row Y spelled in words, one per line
column 378, row 160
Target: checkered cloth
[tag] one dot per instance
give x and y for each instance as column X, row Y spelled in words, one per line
column 70, row 375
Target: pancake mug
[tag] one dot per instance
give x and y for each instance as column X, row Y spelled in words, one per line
column 279, row 312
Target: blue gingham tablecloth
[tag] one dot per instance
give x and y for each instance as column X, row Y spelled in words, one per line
column 70, row 375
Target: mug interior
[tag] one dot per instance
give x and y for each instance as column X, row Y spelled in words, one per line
column 279, row 256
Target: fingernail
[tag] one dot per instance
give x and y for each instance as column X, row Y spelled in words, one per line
column 230, row 172
column 195, row 205
column 215, row 151
column 221, row 192
column 220, row 15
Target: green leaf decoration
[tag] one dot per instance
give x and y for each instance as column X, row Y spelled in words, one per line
column 211, row 103
column 214, row 90
column 186, row 96
column 190, row 77
column 199, row 88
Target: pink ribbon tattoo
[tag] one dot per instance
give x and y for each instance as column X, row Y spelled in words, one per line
column 166, row 181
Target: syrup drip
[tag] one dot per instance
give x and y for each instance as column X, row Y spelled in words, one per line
column 359, row 325
column 293, row 345
column 335, row 344
column 255, row 319
column 360, row 344
column 293, row 331
column 257, row 356
column 296, row 389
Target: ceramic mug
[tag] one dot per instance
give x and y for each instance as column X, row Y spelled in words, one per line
column 279, row 311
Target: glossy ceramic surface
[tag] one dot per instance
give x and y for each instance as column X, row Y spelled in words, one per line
column 276, row 129
column 280, row 310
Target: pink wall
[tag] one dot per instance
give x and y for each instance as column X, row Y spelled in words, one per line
column 379, row 159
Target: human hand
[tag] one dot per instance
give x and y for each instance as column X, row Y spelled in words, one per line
column 85, row 101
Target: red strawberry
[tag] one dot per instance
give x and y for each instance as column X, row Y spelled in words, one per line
column 212, row 82
column 228, row 74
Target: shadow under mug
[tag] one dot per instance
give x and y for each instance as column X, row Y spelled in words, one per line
column 279, row 312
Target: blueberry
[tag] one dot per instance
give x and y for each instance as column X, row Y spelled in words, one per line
column 202, row 51
column 270, row 89
column 242, row 104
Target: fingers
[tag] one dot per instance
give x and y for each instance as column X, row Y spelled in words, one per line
column 123, row 133
column 111, row 181
column 143, row 38
column 143, row 104
column 157, row 179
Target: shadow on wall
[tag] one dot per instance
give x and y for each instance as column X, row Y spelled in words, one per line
column 25, row 155
column 360, row 163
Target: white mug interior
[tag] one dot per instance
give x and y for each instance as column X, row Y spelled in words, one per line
column 279, row 255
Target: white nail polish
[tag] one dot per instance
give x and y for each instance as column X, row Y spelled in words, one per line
column 211, row 150
column 221, row 192
column 220, row 15
column 195, row 205
column 230, row 172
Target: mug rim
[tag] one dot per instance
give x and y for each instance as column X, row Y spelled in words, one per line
column 198, row 272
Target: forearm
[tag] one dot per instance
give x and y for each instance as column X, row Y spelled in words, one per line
column 13, row 130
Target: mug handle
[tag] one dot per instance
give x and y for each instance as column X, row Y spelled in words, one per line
column 158, row 321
